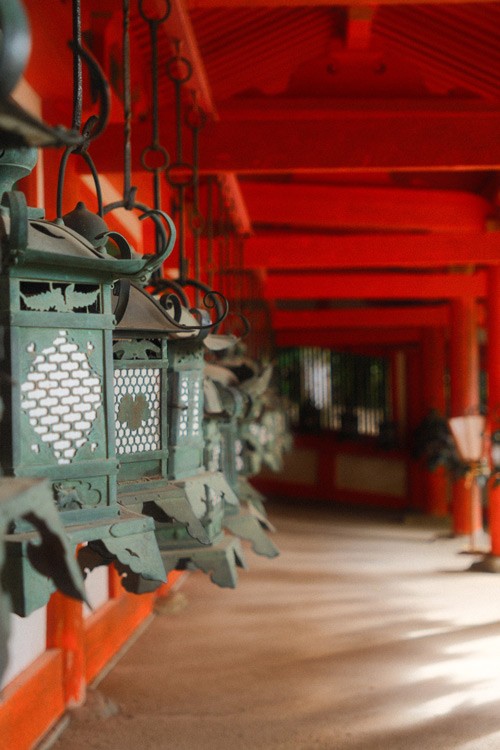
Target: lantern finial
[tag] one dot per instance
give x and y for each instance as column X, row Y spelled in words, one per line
column 89, row 225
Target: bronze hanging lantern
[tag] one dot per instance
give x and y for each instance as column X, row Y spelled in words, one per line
column 56, row 307
column 159, row 413
column 226, row 404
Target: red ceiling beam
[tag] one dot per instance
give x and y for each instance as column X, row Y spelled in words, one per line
column 374, row 286
column 349, row 338
column 334, row 207
column 316, row 251
column 308, row 3
column 435, row 316
column 324, row 136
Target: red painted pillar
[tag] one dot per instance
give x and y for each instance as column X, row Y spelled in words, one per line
column 398, row 393
column 414, row 415
column 65, row 631
column 464, row 399
column 494, row 394
column 434, row 398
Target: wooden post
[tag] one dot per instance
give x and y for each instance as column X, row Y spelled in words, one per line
column 434, row 398
column 494, row 394
column 415, row 414
column 65, row 631
column 464, row 400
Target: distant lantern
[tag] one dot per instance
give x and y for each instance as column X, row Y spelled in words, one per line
column 225, row 405
column 263, row 433
column 469, row 435
column 56, row 306
column 158, row 365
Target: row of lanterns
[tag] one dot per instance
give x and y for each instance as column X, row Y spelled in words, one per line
column 119, row 440
column 146, row 448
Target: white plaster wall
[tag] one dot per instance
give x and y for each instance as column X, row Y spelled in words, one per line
column 97, row 588
column 28, row 636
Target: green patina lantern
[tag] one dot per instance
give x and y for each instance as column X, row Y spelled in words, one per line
column 263, row 435
column 226, row 404
column 57, row 318
column 159, row 415
column 262, row 430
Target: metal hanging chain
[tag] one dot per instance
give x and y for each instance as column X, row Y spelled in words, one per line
column 95, row 124
column 128, row 191
column 224, row 247
column 210, row 231
column 239, row 264
column 18, row 128
column 180, row 173
column 196, row 121
column 129, row 201
column 227, row 280
column 155, row 151
column 220, row 237
column 77, row 67
column 163, row 244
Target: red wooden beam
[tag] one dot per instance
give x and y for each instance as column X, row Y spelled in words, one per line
column 324, row 136
column 313, row 251
column 375, row 285
column 333, row 207
column 349, row 338
column 306, row 3
column 32, row 702
column 434, row 316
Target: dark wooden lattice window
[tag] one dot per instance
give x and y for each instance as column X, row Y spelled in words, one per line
column 338, row 391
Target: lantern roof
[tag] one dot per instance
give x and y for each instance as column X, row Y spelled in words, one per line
column 40, row 243
column 217, row 342
column 222, row 375
column 145, row 315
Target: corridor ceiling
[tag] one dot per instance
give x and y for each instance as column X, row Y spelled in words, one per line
column 361, row 141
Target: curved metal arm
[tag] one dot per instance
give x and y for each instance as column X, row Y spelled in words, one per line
column 15, row 201
column 246, row 324
column 129, row 204
column 211, row 300
column 156, row 260
column 122, row 286
column 151, row 261
column 96, row 123
column 173, row 286
column 18, row 128
column 175, row 301
column 62, row 175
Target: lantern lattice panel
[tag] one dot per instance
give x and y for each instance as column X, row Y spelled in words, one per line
column 62, row 395
column 137, row 410
column 213, row 455
column 189, row 405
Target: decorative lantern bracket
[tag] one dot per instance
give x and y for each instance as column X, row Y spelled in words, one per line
column 43, row 558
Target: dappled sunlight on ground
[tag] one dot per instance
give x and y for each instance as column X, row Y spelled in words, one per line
column 363, row 634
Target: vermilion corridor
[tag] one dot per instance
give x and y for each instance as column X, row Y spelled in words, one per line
column 317, row 187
